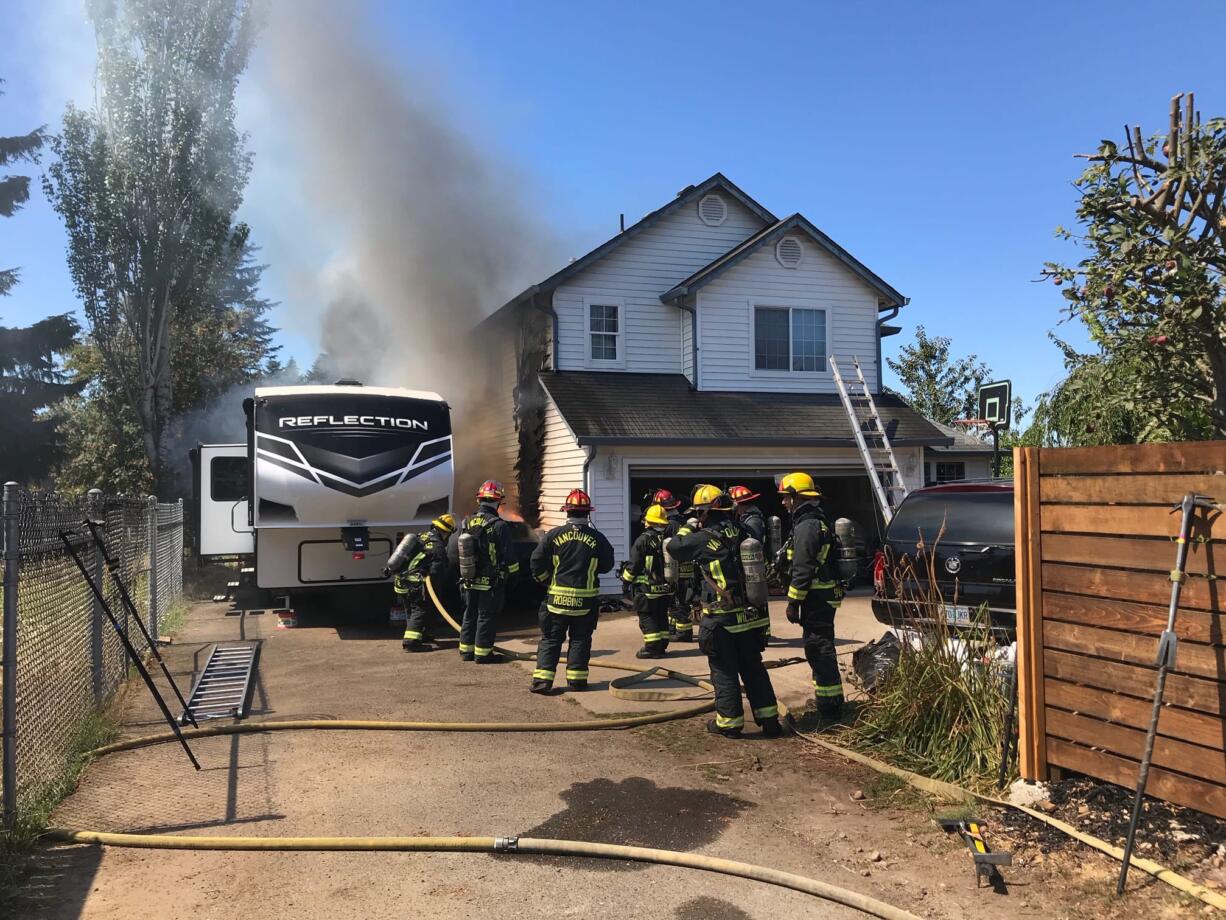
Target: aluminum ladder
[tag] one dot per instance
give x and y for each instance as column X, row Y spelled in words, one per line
column 221, row 692
column 879, row 460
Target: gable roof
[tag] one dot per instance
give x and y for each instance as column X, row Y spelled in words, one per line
column 685, row 196
column 963, row 441
column 620, row 408
column 888, row 297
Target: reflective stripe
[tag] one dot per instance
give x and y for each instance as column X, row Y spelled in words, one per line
column 593, row 582
column 465, row 648
column 568, row 611
column 481, row 652
column 399, row 590
column 797, row 594
column 576, row 673
column 760, row 623
column 627, row 577
column 513, row 567
column 654, row 636
column 717, row 573
column 827, row 690
column 542, row 674
column 562, row 591
column 543, row 577
column 766, row 712
column 725, row 722
column 412, row 634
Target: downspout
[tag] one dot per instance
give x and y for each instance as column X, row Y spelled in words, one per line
column 549, row 311
column 881, row 321
column 694, row 338
column 587, row 463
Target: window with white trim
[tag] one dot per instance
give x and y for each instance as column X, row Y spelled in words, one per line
column 789, row 339
column 951, row 471
column 604, row 331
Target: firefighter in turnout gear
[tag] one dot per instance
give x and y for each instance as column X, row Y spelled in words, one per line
column 680, row 621
column 730, row 633
column 652, row 593
column 417, row 557
column 749, row 514
column 570, row 560
column 814, row 592
column 483, row 549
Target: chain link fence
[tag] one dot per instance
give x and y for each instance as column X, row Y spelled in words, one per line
column 62, row 660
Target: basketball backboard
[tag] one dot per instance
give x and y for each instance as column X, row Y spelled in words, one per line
column 994, row 403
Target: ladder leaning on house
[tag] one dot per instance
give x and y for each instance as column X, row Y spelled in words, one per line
column 871, row 440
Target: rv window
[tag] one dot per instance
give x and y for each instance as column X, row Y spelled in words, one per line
column 228, row 479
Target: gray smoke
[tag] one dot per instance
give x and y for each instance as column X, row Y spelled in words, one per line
column 429, row 234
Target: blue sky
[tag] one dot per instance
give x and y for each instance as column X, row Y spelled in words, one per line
column 933, row 141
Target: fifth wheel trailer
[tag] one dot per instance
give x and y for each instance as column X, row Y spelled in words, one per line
column 328, row 478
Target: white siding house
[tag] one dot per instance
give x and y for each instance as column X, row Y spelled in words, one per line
column 694, row 347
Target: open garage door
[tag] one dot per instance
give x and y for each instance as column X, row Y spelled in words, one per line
column 845, row 492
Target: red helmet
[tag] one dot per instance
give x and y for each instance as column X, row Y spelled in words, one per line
column 578, row 502
column 742, row 494
column 666, row 500
column 491, row 491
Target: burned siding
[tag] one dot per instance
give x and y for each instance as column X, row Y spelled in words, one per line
column 532, row 356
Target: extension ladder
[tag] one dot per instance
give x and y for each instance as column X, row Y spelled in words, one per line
column 871, row 440
column 221, row 691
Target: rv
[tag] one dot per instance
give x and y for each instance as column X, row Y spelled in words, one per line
column 327, row 480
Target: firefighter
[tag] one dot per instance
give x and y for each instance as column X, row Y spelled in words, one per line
column 644, row 575
column 749, row 514
column 485, row 585
column 570, row 559
column 423, row 555
column 680, row 621
column 730, row 633
column 814, row 593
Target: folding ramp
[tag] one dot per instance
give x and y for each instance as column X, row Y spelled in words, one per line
column 225, row 683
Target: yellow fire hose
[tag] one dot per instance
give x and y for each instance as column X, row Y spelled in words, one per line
column 623, row 688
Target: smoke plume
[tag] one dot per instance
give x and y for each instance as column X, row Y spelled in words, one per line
column 425, row 234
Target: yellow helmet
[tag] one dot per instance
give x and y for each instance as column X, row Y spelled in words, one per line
column 445, row 523
column 801, row 484
column 705, row 494
column 656, row 515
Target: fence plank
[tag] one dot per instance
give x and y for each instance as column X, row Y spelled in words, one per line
column 1032, row 735
column 1146, row 554
column 1192, row 693
column 1197, row 457
column 1145, row 587
column 1205, row 763
column 1199, row 660
column 1183, row 790
column 1142, row 489
column 1198, row 728
column 1146, row 619
column 1124, row 521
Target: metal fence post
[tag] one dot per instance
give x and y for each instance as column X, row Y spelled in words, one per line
column 12, row 561
column 153, row 567
column 93, row 506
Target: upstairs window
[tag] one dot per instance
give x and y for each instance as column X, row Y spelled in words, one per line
column 789, row 339
column 604, row 330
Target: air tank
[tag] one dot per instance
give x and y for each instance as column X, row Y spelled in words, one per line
column 466, row 547
column 401, row 554
column 774, row 536
column 850, row 547
column 753, row 563
column 671, row 572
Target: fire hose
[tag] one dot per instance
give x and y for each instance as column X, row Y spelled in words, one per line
column 623, row 688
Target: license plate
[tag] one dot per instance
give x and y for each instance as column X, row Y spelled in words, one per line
column 957, row 615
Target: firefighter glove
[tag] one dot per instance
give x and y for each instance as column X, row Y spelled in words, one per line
column 793, row 612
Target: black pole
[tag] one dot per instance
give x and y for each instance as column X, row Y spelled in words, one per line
column 1167, row 649
column 127, row 644
column 133, row 613
column 995, row 451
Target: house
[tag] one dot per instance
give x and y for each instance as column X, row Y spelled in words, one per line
column 691, row 347
column 967, row 457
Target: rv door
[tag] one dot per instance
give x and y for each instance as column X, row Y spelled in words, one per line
column 224, row 475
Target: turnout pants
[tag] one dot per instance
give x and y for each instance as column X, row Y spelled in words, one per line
column 680, row 623
column 817, row 629
column 479, row 628
column 555, row 628
column 736, row 657
column 419, row 610
column 653, row 620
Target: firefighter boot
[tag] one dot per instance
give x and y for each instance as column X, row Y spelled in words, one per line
column 730, row 732
column 416, row 645
column 491, row 658
column 771, row 728
column 540, row 686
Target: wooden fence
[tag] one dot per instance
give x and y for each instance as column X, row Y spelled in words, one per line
column 1095, row 549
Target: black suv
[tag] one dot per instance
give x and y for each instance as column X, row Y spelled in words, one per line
column 972, row 559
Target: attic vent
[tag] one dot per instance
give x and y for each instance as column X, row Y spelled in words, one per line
column 712, row 211
column 789, row 252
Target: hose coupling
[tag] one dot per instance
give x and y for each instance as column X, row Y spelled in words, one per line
column 506, row 844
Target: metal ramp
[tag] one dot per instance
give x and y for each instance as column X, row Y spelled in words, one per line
column 221, row 692
column 878, row 456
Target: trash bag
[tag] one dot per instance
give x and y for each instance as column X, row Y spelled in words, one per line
column 874, row 662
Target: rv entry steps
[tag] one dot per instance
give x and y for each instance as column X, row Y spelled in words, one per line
column 221, row 692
